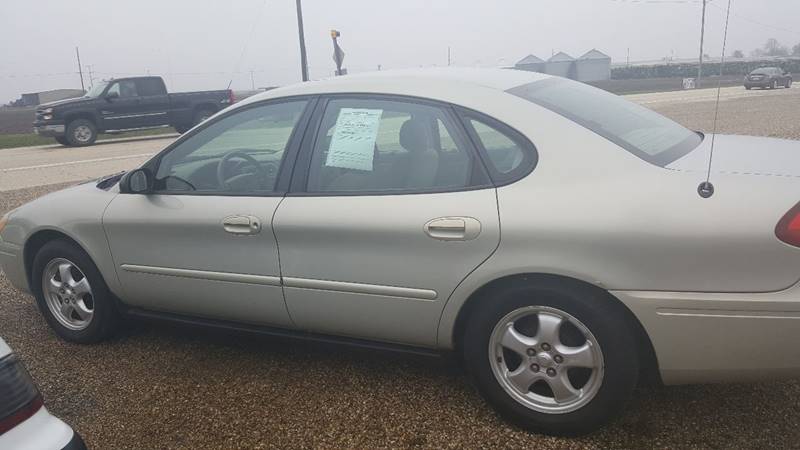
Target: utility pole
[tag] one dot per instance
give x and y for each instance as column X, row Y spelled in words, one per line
column 448, row 55
column 702, row 37
column 303, row 59
column 629, row 57
column 252, row 80
column 80, row 70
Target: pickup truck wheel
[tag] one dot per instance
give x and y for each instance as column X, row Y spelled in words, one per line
column 62, row 140
column 81, row 132
column 202, row 115
column 551, row 356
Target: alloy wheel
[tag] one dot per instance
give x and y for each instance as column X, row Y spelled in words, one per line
column 546, row 359
column 68, row 294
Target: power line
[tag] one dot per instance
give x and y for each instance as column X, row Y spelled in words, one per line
column 756, row 22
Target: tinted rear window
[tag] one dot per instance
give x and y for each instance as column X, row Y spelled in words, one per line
column 644, row 133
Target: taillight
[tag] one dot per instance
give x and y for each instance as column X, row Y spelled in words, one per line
column 19, row 397
column 788, row 229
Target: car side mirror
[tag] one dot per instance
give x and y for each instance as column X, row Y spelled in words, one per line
column 112, row 95
column 139, row 181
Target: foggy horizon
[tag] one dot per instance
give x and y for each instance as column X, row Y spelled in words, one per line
column 206, row 45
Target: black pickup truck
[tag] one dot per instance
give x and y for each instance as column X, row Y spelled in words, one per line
column 125, row 104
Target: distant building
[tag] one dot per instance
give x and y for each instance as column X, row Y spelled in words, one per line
column 560, row 65
column 593, row 66
column 531, row 63
column 37, row 98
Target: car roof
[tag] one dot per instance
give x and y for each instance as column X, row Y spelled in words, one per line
column 414, row 82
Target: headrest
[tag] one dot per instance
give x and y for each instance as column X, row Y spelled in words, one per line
column 415, row 135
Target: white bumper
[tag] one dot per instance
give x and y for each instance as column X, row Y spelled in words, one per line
column 42, row 431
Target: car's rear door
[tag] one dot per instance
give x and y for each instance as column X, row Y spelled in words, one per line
column 202, row 243
column 155, row 101
column 390, row 209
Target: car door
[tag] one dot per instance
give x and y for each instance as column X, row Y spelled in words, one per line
column 123, row 107
column 155, row 101
column 390, row 209
column 201, row 244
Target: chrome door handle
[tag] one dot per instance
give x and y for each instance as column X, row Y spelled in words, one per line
column 453, row 228
column 241, row 224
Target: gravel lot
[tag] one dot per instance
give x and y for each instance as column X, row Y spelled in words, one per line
column 158, row 386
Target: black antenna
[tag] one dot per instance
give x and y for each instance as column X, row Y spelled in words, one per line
column 706, row 189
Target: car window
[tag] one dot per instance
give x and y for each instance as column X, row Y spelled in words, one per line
column 240, row 153
column 386, row 145
column 149, row 86
column 504, row 154
column 124, row 88
column 641, row 131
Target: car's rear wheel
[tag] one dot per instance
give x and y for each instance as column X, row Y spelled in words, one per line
column 551, row 356
column 71, row 294
column 81, row 132
column 788, row 84
column 62, row 140
column 773, row 85
column 202, row 115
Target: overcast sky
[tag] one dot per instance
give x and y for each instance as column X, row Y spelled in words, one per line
column 204, row 44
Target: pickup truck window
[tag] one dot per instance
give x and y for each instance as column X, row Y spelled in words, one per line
column 150, row 86
column 124, row 88
column 97, row 89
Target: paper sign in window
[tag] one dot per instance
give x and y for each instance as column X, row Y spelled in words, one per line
column 353, row 141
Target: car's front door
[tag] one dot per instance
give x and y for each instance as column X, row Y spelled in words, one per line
column 202, row 243
column 390, row 210
column 123, row 106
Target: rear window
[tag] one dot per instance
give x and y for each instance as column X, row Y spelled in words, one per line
column 647, row 134
column 765, row 71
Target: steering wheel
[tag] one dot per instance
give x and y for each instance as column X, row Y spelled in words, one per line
column 224, row 181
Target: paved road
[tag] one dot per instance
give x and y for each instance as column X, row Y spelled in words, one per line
column 36, row 166
column 50, row 164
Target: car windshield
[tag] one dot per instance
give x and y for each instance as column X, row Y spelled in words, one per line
column 97, row 89
column 635, row 128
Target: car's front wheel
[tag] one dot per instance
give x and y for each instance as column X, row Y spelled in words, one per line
column 81, row 132
column 553, row 357
column 71, row 293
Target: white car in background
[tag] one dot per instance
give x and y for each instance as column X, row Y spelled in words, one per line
column 25, row 424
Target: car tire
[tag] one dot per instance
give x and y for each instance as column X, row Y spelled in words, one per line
column 62, row 140
column 773, row 85
column 748, row 87
column 597, row 395
column 81, row 132
column 71, row 293
column 788, row 84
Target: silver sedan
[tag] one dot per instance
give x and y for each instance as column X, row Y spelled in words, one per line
column 549, row 233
